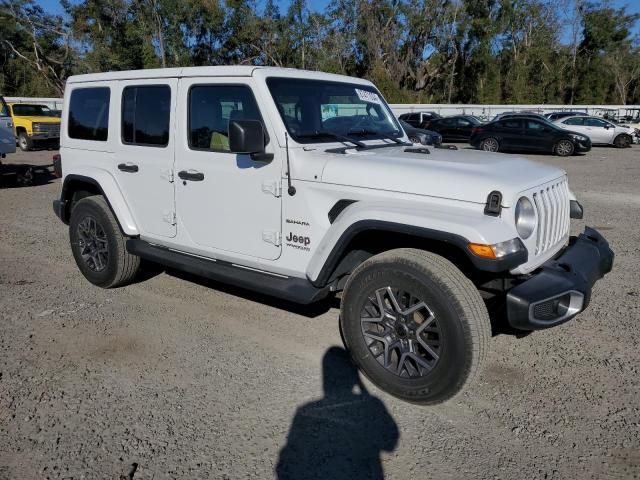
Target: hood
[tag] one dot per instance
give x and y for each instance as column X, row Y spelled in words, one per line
column 39, row 119
column 466, row 175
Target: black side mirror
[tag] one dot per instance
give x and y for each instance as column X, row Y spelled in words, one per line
column 607, row 127
column 247, row 136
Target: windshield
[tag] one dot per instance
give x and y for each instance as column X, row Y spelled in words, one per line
column 31, row 110
column 315, row 111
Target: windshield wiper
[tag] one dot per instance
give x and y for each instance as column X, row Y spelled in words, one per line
column 342, row 138
column 380, row 134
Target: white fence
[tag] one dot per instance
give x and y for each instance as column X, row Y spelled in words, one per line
column 483, row 111
column 489, row 111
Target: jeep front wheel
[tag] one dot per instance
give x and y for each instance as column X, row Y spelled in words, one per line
column 98, row 245
column 415, row 325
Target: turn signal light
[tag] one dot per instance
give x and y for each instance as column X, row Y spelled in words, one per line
column 498, row 250
column 484, row 251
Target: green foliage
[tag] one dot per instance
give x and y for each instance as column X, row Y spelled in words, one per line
column 469, row 51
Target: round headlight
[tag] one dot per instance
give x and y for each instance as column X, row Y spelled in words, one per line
column 525, row 217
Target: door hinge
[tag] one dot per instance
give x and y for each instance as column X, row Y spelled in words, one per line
column 169, row 217
column 273, row 237
column 274, row 188
column 167, row 175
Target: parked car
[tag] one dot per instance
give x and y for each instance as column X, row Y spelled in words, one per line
column 233, row 173
column 600, row 131
column 553, row 116
column 34, row 124
column 535, row 115
column 420, row 135
column 7, row 138
column 528, row 134
column 419, row 119
column 454, row 129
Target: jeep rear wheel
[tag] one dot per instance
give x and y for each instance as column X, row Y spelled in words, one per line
column 24, row 142
column 98, row 245
column 415, row 325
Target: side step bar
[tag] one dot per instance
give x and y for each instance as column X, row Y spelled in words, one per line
column 297, row 290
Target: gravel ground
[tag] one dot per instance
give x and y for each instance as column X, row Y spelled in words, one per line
column 176, row 378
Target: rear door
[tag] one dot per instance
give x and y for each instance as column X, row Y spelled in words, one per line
column 447, row 127
column 144, row 162
column 7, row 136
column 512, row 133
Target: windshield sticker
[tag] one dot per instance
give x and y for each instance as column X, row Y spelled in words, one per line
column 366, row 96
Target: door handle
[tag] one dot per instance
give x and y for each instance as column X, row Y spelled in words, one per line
column 191, row 175
column 128, row 167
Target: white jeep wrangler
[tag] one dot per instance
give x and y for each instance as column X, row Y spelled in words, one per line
column 301, row 184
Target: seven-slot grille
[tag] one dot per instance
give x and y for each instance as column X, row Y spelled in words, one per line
column 552, row 206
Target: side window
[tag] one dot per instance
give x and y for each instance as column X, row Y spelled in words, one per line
column 595, row 122
column 463, row 122
column 212, row 107
column 4, row 110
column 145, row 115
column 535, row 126
column 574, row 121
column 89, row 113
column 512, row 124
column 448, row 122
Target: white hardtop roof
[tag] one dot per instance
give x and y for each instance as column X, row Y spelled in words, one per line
column 214, row 71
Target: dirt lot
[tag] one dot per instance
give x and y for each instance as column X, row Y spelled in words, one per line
column 169, row 378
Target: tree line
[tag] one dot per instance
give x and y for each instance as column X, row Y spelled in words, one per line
column 416, row 51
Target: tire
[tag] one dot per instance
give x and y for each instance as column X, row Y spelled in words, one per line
column 623, row 141
column 414, row 140
column 450, row 318
column 98, row 245
column 564, row 148
column 24, row 142
column 490, row 144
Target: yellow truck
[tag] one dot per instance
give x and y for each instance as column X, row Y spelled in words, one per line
column 34, row 124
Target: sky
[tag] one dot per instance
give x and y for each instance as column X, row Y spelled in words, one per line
column 632, row 6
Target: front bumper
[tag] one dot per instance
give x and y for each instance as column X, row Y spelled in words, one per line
column 582, row 146
column 562, row 287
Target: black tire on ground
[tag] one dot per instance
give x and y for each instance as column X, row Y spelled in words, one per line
column 98, row 245
column 24, row 142
column 449, row 333
column 490, row 144
column 623, row 141
column 564, row 148
column 414, row 140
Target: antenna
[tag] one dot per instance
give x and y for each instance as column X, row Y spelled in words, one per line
column 291, row 190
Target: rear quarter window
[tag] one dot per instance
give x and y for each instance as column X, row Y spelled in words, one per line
column 89, row 114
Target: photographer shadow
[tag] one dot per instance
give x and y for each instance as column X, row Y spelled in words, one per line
column 342, row 435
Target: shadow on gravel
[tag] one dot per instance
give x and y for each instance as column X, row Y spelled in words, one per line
column 310, row 311
column 17, row 175
column 342, row 435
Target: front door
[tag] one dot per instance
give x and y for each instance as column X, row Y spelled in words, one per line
column 599, row 130
column 225, row 201
column 7, row 136
column 145, row 152
column 538, row 135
